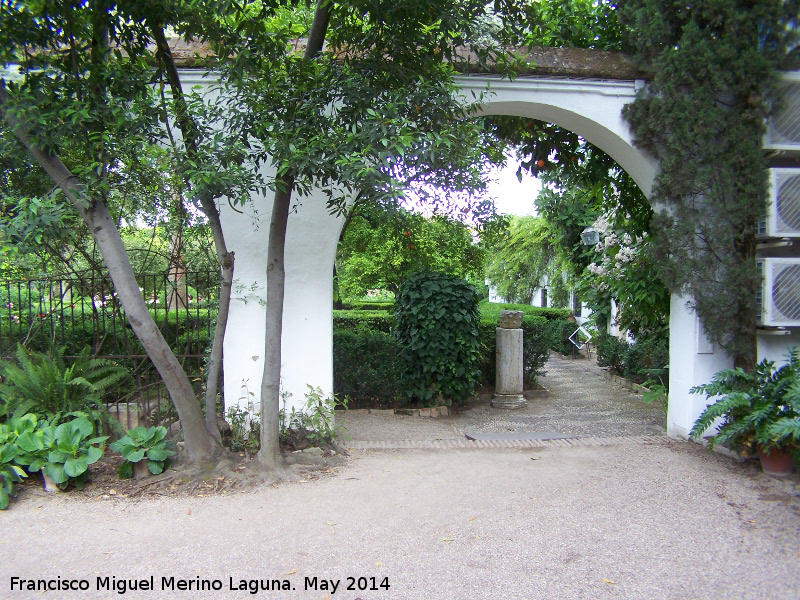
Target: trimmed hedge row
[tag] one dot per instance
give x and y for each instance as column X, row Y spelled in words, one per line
column 374, row 305
column 492, row 310
column 629, row 360
column 372, row 320
column 368, row 360
column 366, row 367
column 75, row 331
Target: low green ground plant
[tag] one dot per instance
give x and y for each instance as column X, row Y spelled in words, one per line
column 64, row 452
column 313, row 426
column 144, row 444
column 245, row 429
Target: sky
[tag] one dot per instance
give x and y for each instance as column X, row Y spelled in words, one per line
column 512, row 196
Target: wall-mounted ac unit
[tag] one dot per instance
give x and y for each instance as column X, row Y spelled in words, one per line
column 783, row 210
column 779, row 300
column 783, row 130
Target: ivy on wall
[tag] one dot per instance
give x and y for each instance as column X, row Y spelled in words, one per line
column 715, row 66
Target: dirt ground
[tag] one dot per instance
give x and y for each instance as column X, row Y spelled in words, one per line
column 626, row 521
column 620, row 511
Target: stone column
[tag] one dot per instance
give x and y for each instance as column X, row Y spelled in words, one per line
column 508, row 378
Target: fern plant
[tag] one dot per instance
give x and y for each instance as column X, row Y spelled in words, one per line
column 761, row 408
column 45, row 385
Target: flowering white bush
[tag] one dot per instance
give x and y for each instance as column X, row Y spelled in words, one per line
column 623, row 273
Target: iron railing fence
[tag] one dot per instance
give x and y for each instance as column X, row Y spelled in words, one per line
column 77, row 312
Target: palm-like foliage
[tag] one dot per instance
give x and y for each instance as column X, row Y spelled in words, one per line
column 762, row 407
column 47, row 386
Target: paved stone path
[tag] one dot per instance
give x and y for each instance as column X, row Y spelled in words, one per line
column 582, row 403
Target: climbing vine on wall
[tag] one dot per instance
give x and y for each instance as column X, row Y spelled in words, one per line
column 715, row 81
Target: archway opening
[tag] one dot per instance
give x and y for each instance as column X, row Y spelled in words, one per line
column 610, row 133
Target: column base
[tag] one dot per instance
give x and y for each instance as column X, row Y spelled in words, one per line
column 509, row 401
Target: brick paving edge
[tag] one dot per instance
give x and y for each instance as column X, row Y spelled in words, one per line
column 459, row 444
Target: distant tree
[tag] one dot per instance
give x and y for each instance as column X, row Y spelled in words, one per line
column 522, row 260
column 383, row 252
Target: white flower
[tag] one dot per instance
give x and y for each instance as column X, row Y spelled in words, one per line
column 602, row 224
column 599, row 270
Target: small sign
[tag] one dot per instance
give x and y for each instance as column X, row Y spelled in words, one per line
column 580, row 337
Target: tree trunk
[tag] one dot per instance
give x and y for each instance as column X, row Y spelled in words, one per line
column 177, row 295
column 96, row 215
column 269, row 454
column 215, row 362
column 226, row 258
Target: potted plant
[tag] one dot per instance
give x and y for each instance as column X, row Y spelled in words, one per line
column 759, row 412
column 145, row 451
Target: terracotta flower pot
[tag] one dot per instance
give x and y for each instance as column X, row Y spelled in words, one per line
column 775, row 461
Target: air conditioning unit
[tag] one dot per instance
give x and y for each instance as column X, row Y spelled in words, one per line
column 783, row 210
column 779, row 300
column 783, row 130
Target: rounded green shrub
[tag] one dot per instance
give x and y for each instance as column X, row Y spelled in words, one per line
column 436, row 321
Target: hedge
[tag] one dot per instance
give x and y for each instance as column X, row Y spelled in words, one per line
column 560, row 332
column 629, row 360
column 535, row 349
column 76, row 330
column 366, row 367
column 373, row 320
column 362, row 344
column 491, row 311
column 370, row 305
column 437, row 323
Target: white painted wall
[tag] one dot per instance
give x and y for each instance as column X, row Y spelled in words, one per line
column 693, row 361
column 307, row 337
column 774, row 347
column 591, row 108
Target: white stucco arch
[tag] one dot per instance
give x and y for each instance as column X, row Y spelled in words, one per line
column 591, row 108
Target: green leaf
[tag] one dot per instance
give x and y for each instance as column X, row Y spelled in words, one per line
column 159, row 454
column 56, row 472
column 93, row 454
column 125, row 470
column 76, row 466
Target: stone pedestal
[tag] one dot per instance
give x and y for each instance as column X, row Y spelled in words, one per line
column 508, row 379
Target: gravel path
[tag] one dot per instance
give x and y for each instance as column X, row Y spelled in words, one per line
column 613, row 514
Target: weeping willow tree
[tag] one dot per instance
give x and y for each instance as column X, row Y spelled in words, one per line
column 716, row 66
